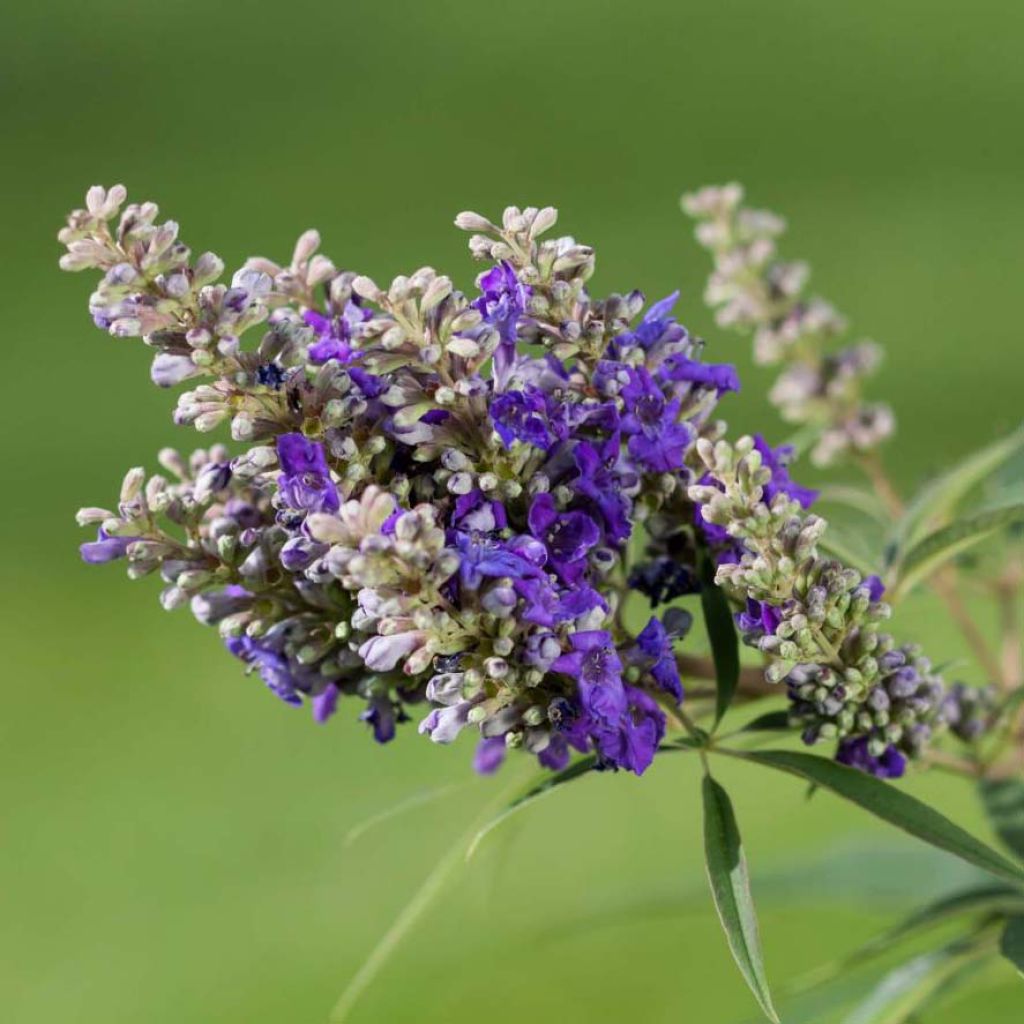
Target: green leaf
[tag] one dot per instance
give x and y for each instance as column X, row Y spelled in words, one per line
column 730, row 886
column 856, row 498
column 889, row 803
column 936, row 501
column 770, row 721
column 721, row 630
column 1011, row 945
column 911, row 986
column 987, row 899
column 939, row 547
column 1003, row 800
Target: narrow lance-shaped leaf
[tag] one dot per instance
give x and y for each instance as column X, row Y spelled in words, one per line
column 907, row 989
column 1011, row 944
column 938, row 548
column 937, row 499
column 721, row 630
column 1003, row 800
column 983, row 900
column 730, row 886
column 889, row 803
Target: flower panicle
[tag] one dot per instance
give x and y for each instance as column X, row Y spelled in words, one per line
column 755, row 292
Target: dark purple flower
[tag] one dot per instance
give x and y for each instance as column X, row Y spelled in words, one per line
column 722, row 377
column 490, row 753
column 657, row 440
column 875, row 587
column 595, row 665
column 272, row 665
column 380, row 715
column 759, row 618
column 596, row 480
column 633, row 742
column 663, row 580
column 522, row 416
column 547, row 604
column 568, row 536
column 305, row 482
column 371, row 385
column 105, row 548
column 776, row 460
column 654, row 647
column 855, row 753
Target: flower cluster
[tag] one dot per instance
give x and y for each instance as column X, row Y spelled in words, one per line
column 818, row 622
column 757, row 293
column 436, row 491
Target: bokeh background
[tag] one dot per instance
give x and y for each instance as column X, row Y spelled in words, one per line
column 174, row 841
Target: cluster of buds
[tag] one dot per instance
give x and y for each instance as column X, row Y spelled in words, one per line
column 435, row 492
column 818, row 622
column 755, row 292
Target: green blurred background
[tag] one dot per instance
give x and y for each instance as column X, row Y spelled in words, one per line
column 174, row 838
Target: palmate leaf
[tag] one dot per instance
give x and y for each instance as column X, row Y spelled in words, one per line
column 937, row 500
column 1011, row 944
column 1003, row 800
column 937, row 548
column 725, row 650
column 889, row 803
column 909, row 988
column 730, row 887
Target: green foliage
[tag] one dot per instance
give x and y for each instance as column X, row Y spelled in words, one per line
column 730, row 886
column 890, row 804
column 721, row 630
column 935, row 550
column 935, row 503
column 1003, row 800
column 913, row 985
column 1011, row 944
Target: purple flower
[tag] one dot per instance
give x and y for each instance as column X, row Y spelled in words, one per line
column 654, row 647
column 305, row 482
column 547, row 605
column 476, row 513
column 595, row 665
column 776, row 460
column 334, row 333
column 856, row 754
column 759, row 618
column 722, row 377
column 875, row 587
column 522, row 416
column 657, row 439
column 502, row 303
column 568, row 536
column 380, row 715
column 596, row 481
column 273, row 667
column 657, row 326
column 325, row 703
column 634, row 741
column 663, row 580
column 105, row 548
column 490, row 753
column 483, row 557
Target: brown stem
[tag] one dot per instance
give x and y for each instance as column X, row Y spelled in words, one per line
column 752, row 681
